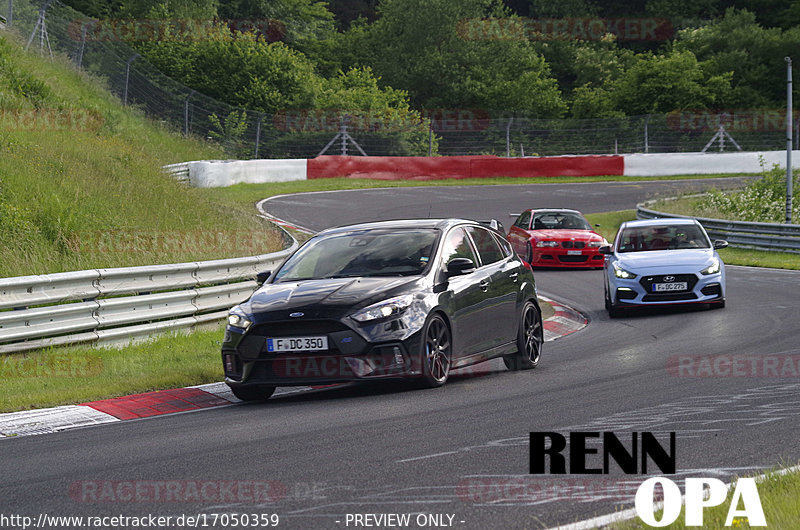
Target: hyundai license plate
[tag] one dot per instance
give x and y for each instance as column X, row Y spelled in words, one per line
column 667, row 287
column 297, row 344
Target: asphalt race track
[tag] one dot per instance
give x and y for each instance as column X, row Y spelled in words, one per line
column 461, row 450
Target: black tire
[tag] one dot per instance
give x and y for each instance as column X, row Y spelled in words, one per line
column 253, row 393
column 530, row 338
column 437, row 352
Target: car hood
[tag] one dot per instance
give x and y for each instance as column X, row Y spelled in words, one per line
column 687, row 260
column 577, row 235
column 324, row 297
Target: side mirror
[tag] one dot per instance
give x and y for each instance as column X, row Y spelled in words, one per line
column 460, row 266
column 262, row 277
column 720, row 243
column 605, row 249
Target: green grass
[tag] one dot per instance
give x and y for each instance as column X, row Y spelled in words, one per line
column 779, row 494
column 60, row 376
column 81, row 185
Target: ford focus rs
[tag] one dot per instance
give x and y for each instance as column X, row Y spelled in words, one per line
column 409, row 299
column 662, row 262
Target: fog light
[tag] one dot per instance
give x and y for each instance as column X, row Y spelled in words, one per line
column 230, row 365
column 398, row 356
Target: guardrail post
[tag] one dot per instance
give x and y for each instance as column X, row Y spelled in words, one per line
column 10, row 17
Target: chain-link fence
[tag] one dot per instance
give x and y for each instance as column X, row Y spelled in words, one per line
column 51, row 27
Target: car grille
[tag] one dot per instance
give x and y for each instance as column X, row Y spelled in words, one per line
column 648, row 281
column 289, row 328
column 573, row 259
column 669, row 297
column 573, row 244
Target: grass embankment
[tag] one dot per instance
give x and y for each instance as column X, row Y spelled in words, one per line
column 778, row 492
column 698, row 207
column 81, row 185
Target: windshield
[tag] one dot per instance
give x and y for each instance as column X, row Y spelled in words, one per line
column 662, row 237
column 379, row 252
column 559, row 221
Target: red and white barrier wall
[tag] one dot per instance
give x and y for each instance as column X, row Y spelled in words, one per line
column 208, row 174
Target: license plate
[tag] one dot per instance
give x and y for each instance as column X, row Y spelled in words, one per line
column 674, row 286
column 574, row 253
column 297, row 344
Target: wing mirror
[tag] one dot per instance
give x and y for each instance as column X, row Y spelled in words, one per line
column 605, row 249
column 720, row 243
column 262, row 277
column 460, row 266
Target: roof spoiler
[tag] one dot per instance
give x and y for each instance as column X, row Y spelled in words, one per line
column 494, row 224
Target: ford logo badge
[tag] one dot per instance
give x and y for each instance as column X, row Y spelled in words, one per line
column 296, row 315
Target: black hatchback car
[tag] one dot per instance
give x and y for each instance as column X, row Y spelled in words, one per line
column 410, row 299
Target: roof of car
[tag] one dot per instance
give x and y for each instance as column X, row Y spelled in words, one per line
column 401, row 223
column 543, row 210
column 664, row 221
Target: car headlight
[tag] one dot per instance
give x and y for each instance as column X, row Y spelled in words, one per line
column 711, row 269
column 547, row 244
column 619, row 272
column 384, row 309
column 596, row 244
column 238, row 320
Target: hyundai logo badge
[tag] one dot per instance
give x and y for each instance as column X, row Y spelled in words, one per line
column 347, row 339
column 296, row 315
column 669, row 278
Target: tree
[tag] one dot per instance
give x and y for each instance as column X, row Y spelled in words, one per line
column 738, row 44
column 448, row 54
column 241, row 69
column 669, row 82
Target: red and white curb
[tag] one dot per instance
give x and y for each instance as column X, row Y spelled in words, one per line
column 43, row 421
column 565, row 321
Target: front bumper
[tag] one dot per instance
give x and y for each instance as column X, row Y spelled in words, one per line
column 638, row 291
column 349, row 357
column 561, row 257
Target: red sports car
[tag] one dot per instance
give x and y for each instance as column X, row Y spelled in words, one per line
column 556, row 238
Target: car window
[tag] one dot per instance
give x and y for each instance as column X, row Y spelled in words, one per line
column 560, row 221
column 504, row 245
column 662, row 237
column 457, row 245
column 377, row 252
column 524, row 220
column 487, row 246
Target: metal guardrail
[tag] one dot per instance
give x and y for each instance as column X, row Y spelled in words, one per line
column 179, row 171
column 117, row 305
column 762, row 236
